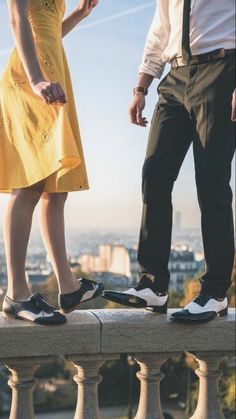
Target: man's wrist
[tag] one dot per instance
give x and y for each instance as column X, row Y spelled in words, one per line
column 140, row 89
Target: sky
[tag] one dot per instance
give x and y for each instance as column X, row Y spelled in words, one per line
column 104, row 53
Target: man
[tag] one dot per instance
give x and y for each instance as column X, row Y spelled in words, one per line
column 195, row 106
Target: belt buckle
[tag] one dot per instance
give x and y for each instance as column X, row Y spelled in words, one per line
column 220, row 53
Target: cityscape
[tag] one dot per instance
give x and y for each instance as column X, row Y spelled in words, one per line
column 111, row 256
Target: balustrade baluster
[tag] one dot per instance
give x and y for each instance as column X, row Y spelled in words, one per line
column 208, row 406
column 150, row 377
column 88, row 379
column 22, row 383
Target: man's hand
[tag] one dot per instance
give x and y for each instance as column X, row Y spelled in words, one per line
column 233, row 114
column 86, row 6
column 136, row 110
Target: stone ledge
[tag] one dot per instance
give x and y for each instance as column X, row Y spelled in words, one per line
column 114, row 331
column 81, row 334
column 143, row 331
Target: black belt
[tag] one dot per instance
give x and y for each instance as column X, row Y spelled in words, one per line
column 202, row 58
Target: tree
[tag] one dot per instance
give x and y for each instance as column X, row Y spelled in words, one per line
column 191, row 289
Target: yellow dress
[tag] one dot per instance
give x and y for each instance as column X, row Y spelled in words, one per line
column 40, row 141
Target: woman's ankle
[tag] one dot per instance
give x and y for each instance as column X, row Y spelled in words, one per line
column 68, row 286
column 18, row 295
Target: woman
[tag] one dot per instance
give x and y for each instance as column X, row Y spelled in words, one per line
column 41, row 155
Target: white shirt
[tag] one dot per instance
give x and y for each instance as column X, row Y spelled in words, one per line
column 212, row 26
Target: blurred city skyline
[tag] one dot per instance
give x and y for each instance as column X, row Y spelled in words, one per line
column 104, row 54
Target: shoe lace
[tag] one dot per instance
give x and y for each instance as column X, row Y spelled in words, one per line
column 40, row 300
column 146, row 282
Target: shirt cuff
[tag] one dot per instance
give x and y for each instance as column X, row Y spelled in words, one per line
column 156, row 71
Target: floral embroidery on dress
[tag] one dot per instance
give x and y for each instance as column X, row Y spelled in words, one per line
column 1, row 123
column 49, row 5
column 16, row 85
column 47, row 61
column 45, row 138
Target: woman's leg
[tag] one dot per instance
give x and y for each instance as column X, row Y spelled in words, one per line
column 16, row 227
column 53, row 233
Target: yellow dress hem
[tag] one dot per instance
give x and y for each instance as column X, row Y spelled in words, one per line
column 80, row 187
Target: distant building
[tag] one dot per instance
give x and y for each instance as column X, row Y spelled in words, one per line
column 177, row 221
column 118, row 266
column 134, row 266
column 182, row 265
column 38, row 269
column 74, row 265
column 113, row 281
column 114, row 259
column 90, row 263
column 120, row 261
column 105, row 257
column 3, row 278
column 36, row 277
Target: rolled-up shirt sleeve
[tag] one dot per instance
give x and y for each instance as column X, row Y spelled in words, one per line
column 156, row 42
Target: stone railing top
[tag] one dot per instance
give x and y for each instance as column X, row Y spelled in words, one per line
column 114, row 331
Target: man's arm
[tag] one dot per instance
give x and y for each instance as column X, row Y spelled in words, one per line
column 152, row 65
column 138, row 103
column 83, row 10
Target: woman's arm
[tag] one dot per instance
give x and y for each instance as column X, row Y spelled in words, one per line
column 18, row 15
column 22, row 33
column 83, row 10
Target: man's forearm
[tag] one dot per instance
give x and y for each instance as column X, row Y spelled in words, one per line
column 144, row 80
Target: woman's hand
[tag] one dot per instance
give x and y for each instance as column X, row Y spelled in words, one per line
column 86, row 6
column 49, row 92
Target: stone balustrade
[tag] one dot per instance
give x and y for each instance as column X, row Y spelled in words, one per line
column 93, row 337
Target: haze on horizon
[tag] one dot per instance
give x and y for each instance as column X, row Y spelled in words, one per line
column 104, row 54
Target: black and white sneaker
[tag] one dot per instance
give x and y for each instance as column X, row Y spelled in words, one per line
column 202, row 309
column 140, row 296
column 87, row 291
column 36, row 309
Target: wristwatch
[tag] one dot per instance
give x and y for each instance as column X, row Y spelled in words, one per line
column 141, row 89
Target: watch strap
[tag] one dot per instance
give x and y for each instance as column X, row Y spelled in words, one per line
column 141, row 89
